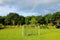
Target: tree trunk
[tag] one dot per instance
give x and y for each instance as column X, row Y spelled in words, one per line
column 13, row 22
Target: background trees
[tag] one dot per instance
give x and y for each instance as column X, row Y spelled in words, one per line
column 56, row 17
column 39, row 19
column 48, row 18
column 2, row 20
column 11, row 18
column 27, row 20
column 21, row 20
column 33, row 20
column 15, row 19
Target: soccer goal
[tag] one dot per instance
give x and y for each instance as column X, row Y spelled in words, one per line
column 28, row 30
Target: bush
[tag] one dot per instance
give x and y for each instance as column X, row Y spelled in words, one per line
column 1, row 26
column 43, row 26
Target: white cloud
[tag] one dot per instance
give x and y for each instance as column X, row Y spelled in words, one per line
column 1, row 1
column 48, row 1
column 4, row 10
column 28, row 14
column 21, row 5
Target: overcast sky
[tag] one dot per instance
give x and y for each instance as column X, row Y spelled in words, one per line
column 29, row 7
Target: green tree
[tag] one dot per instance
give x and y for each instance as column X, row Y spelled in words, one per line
column 39, row 19
column 56, row 17
column 2, row 20
column 33, row 20
column 27, row 20
column 48, row 18
column 21, row 20
column 12, row 18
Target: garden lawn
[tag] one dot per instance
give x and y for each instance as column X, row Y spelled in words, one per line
column 50, row 34
column 16, row 34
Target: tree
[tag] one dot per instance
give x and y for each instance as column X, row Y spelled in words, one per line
column 21, row 20
column 39, row 19
column 33, row 20
column 2, row 20
column 56, row 17
column 48, row 18
column 12, row 18
column 27, row 20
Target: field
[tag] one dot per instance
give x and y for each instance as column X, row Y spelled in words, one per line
column 50, row 34
column 16, row 34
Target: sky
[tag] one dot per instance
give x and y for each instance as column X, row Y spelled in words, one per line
column 29, row 7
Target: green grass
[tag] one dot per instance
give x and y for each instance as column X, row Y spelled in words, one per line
column 10, row 34
column 16, row 34
column 50, row 34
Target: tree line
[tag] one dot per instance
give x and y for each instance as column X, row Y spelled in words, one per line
column 16, row 19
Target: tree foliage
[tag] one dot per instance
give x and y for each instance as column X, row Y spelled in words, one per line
column 15, row 19
column 33, row 20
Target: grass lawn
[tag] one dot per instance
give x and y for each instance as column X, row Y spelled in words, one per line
column 50, row 34
column 16, row 34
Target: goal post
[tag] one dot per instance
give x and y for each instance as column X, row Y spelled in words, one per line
column 26, row 31
column 22, row 30
column 38, row 30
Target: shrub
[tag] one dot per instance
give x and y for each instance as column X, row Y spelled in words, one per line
column 1, row 26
